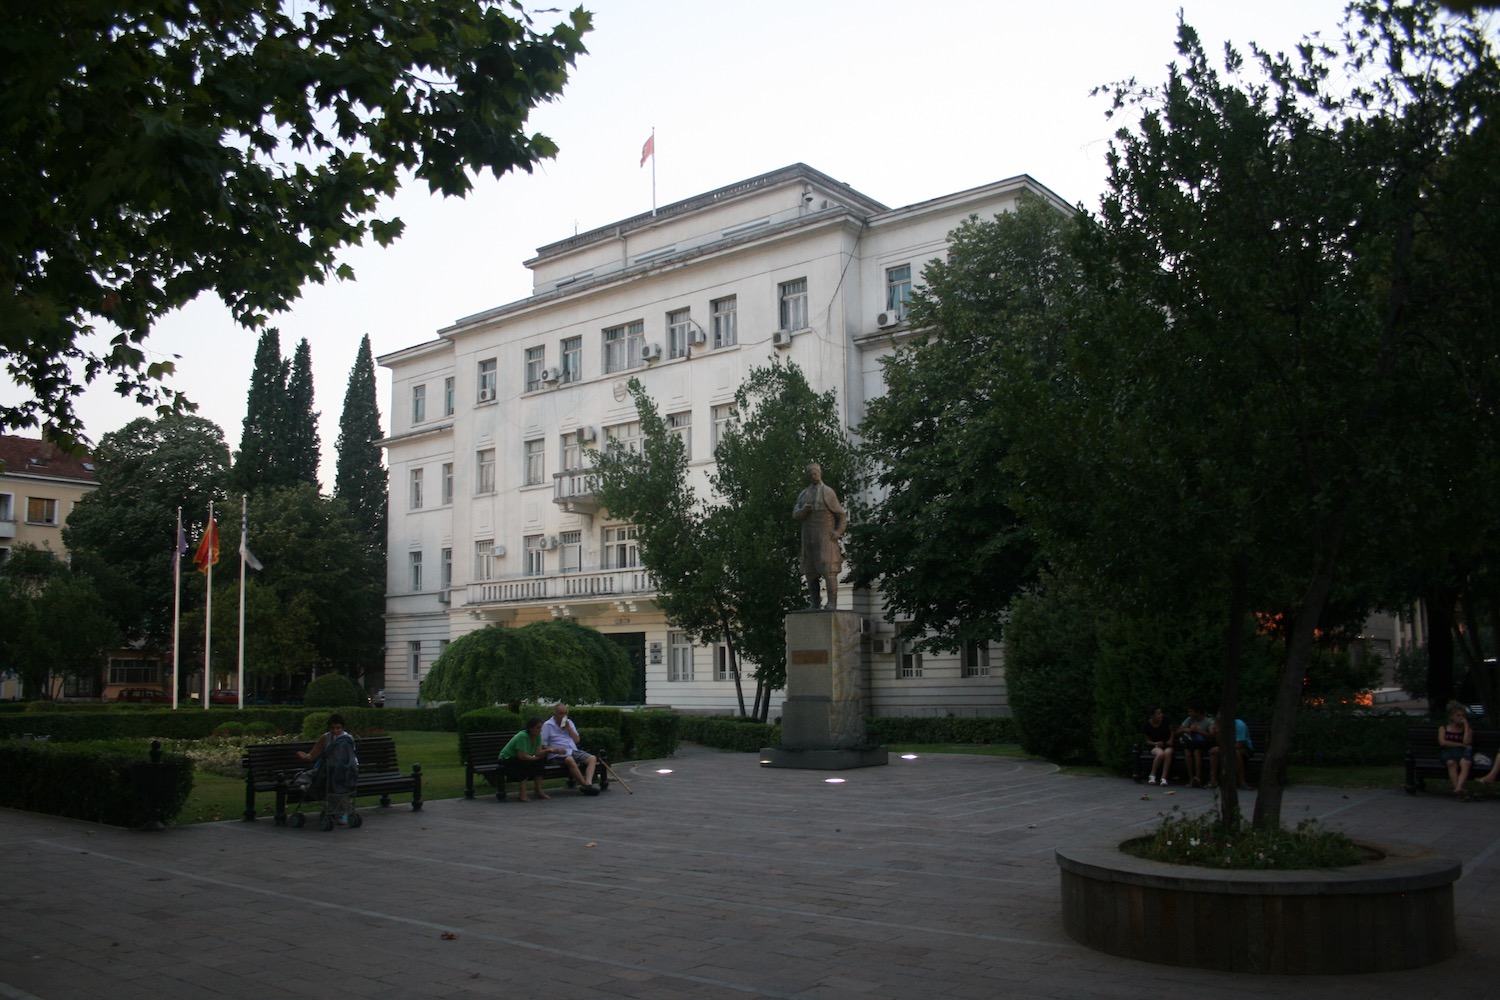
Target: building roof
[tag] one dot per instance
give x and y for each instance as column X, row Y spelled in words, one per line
column 20, row 456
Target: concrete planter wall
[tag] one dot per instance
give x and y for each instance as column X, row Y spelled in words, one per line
column 1392, row 913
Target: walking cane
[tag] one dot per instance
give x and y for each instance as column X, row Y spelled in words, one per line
column 612, row 774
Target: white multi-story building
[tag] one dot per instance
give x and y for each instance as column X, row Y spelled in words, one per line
column 491, row 519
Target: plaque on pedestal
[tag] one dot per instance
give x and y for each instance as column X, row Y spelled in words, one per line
column 823, row 715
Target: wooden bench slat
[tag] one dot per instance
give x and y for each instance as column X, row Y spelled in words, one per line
column 480, row 753
column 270, row 766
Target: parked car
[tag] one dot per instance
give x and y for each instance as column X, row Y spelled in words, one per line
column 229, row 697
column 153, row 696
column 378, row 699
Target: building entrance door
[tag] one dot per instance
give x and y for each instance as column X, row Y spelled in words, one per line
column 634, row 644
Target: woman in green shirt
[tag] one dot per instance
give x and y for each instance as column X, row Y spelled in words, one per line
column 524, row 756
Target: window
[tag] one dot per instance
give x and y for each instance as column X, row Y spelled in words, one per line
column 572, row 452
column 626, row 437
column 41, row 510
column 722, row 415
column 897, row 289
column 134, row 671
column 414, row 657
column 415, row 559
column 536, row 559
column 572, row 359
column 723, row 327
column 536, row 357
column 445, row 569
column 488, row 380
column 976, row 656
column 535, row 462
column 6, row 511
column 449, row 392
column 910, row 660
column 418, row 403
column 486, row 478
column 794, row 304
column 681, row 424
column 620, row 548
column 679, row 331
column 447, row 483
column 570, row 548
column 416, row 489
column 722, row 671
column 679, row 657
column 484, row 559
column 622, row 346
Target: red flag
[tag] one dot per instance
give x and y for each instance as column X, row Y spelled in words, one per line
column 208, row 548
column 648, row 149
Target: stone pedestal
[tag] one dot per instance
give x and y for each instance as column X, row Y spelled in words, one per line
column 823, row 716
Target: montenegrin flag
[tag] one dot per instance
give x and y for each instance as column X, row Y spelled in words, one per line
column 208, row 548
column 648, row 149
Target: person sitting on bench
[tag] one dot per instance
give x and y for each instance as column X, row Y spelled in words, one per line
column 561, row 737
column 524, row 756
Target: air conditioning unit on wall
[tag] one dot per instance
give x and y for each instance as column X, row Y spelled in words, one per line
column 889, row 317
column 550, row 375
column 883, row 644
column 549, row 543
column 587, row 434
column 650, row 352
column 781, row 338
column 697, row 338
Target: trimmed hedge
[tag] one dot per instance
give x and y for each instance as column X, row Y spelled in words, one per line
column 197, row 723
column 729, row 734
column 650, row 735
column 942, row 729
column 95, row 782
column 618, row 735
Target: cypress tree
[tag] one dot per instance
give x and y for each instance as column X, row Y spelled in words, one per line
column 300, row 453
column 361, row 479
column 259, row 462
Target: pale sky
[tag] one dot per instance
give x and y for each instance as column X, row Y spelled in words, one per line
column 902, row 102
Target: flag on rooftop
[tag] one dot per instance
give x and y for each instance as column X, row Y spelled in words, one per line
column 648, row 149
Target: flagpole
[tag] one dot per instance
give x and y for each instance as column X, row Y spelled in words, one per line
column 177, row 554
column 244, row 529
column 653, row 169
column 208, row 615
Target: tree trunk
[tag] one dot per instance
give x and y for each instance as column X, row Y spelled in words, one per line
column 1289, row 690
column 1229, row 694
column 734, row 671
column 1440, row 600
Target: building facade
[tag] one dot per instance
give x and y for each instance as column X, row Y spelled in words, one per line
column 491, row 516
column 39, row 485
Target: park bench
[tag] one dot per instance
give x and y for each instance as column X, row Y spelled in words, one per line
column 480, row 753
column 1260, row 736
column 1422, row 761
column 270, row 767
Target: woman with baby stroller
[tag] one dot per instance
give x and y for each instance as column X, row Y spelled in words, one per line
column 333, row 777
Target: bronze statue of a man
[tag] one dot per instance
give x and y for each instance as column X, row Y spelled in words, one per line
column 823, row 523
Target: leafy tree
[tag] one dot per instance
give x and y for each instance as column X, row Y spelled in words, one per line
column 155, row 152
column 727, row 569
column 1248, row 363
column 52, row 621
column 543, row 661
column 302, row 445
column 122, row 534
column 333, row 691
column 279, row 635
column 264, row 447
column 941, row 540
column 361, row 477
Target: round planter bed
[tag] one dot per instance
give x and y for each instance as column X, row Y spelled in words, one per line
column 1394, row 912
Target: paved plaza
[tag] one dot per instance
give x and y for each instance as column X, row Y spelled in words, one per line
column 931, row 877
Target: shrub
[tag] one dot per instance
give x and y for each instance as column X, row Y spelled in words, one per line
column 96, row 782
column 940, row 729
column 1050, row 648
column 649, row 735
column 333, row 691
column 744, row 736
column 229, row 729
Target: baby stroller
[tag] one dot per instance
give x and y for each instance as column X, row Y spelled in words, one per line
column 334, row 778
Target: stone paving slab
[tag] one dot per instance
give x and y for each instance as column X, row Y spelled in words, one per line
column 927, row 877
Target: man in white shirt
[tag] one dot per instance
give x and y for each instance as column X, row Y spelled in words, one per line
column 561, row 735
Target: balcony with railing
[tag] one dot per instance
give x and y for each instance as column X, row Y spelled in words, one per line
column 575, row 491
column 582, row 588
